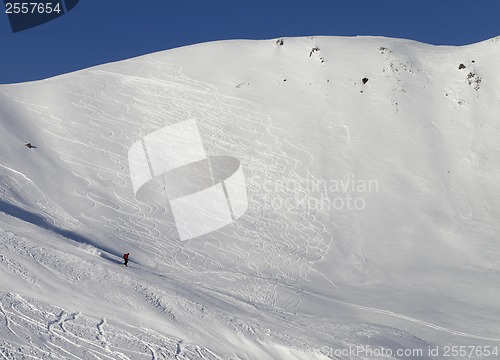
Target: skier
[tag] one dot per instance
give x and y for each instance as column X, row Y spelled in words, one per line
column 125, row 257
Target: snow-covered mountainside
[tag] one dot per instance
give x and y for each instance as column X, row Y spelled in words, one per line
column 371, row 168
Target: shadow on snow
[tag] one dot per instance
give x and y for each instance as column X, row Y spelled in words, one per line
column 40, row 221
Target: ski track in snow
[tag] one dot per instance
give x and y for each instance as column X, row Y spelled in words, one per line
column 75, row 336
column 407, row 318
column 260, row 244
column 264, row 253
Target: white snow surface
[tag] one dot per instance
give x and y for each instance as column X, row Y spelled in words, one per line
column 373, row 219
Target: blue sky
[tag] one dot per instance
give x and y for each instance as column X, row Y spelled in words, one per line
column 100, row 31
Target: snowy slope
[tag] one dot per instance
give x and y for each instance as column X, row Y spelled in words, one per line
column 373, row 214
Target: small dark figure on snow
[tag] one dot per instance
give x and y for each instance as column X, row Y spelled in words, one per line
column 29, row 146
column 125, row 257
